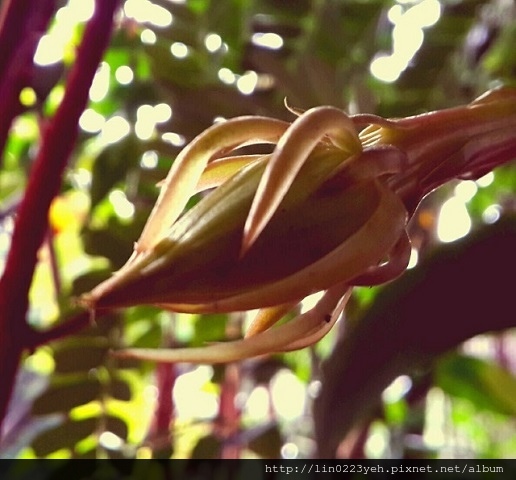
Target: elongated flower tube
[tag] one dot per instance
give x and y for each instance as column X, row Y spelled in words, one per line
column 463, row 142
column 325, row 211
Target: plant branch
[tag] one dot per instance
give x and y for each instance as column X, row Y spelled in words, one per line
column 72, row 325
column 22, row 23
column 44, row 183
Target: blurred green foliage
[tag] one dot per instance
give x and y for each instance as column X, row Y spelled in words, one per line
column 219, row 59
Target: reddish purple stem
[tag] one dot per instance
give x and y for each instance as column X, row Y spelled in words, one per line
column 44, row 183
column 22, row 23
column 159, row 436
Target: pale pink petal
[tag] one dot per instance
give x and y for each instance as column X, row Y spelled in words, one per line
column 191, row 162
column 289, row 156
column 267, row 317
column 308, row 327
column 220, row 170
column 365, row 248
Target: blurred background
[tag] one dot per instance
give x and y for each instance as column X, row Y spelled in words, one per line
column 173, row 68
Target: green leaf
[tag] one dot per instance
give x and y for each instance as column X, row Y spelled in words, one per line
column 85, row 282
column 268, row 444
column 207, row 447
column 63, row 436
column 65, row 397
column 69, row 433
column 209, row 328
column 112, row 166
column 115, row 425
column 79, row 358
column 114, row 242
column 484, row 383
column 199, row 6
column 120, row 390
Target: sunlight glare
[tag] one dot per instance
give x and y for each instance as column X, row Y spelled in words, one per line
column 309, row 302
column 149, row 160
column 226, row 76
column 124, row 75
column 385, row 68
column 288, row 395
column 122, row 206
column 49, row 51
column 100, row 85
column 407, row 38
column 377, row 443
column 114, row 129
column 174, row 139
column 145, row 123
column 267, row 40
column 258, row 404
column 414, row 258
column 246, row 84
column 162, row 112
column 179, row 50
column 91, row 121
column 433, row 433
column 204, row 404
column 212, row 42
column 314, row 388
column 51, row 47
column 144, row 11
column 110, row 441
column 397, row 389
column 491, row 214
column 289, row 451
column 486, row 180
column 6, row 226
column 395, row 13
column 466, row 190
column 147, row 116
column 79, row 10
column 81, row 178
column 454, row 221
column 148, row 37
column 424, row 14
